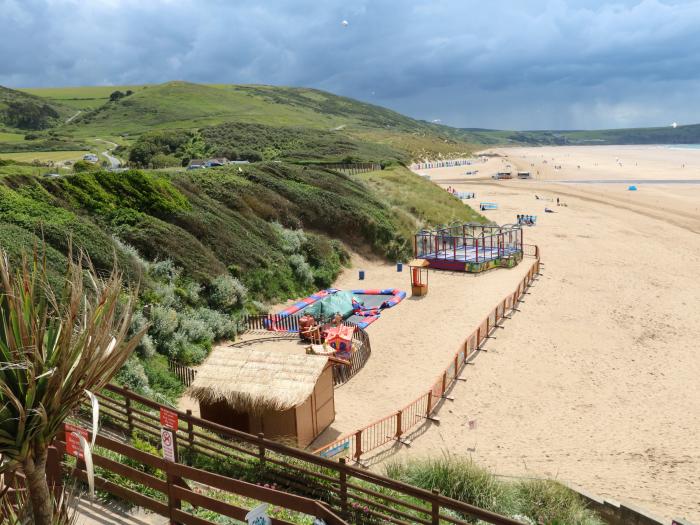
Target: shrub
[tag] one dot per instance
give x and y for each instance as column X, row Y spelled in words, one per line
column 290, row 241
column 82, row 166
column 546, row 501
column 164, row 270
column 227, row 293
column 222, row 325
column 164, row 322
column 195, row 329
column 302, row 270
column 133, row 376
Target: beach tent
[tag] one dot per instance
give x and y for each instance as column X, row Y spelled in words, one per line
column 632, row 188
column 343, row 303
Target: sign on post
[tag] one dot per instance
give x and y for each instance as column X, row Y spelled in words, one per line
column 168, row 419
column 73, row 446
column 167, row 439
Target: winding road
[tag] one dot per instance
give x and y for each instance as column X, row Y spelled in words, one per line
column 114, row 162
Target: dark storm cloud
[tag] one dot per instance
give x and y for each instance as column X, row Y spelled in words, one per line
column 534, row 64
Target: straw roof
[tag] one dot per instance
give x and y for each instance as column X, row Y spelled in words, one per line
column 257, row 380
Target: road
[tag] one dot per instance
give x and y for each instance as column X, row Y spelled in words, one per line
column 114, row 162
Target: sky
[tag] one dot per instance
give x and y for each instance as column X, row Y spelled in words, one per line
column 506, row 64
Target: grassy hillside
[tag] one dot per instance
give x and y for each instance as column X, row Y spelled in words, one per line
column 25, row 112
column 83, row 98
column 378, row 132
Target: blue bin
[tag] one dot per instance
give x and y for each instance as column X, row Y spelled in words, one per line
column 362, row 275
column 399, row 267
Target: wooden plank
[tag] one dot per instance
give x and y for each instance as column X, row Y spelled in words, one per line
column 129, row 495
column 129, row 472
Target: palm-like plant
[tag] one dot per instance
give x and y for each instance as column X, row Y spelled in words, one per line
column 54, row 345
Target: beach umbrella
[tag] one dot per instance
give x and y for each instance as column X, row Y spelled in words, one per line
column 632, row 188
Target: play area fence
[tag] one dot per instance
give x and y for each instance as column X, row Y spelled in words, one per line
column 355, row 494
column 394, row 427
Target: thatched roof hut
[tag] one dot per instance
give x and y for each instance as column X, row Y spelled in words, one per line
column 256, row 380
column 276, row 393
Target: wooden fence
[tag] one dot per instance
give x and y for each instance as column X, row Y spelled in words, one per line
column 393, row 427
column 355, row 494
column 165, row 485
column 352, row 169
column 184, row 373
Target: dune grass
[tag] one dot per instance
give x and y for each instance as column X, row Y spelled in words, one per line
column 416, row 201
column 539, row 501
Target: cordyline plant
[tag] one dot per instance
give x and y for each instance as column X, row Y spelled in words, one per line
column 55, row 344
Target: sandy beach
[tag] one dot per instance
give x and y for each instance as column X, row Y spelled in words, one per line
column 596, row 381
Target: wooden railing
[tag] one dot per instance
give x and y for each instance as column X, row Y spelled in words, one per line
column 355, row 494
column 394, row 426
column 165, row 486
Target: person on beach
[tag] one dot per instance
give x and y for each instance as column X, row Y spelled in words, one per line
column 557, row 201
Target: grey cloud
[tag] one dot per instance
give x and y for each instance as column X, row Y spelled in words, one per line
column 535, row 64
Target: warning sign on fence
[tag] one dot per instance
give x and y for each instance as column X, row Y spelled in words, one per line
column 168, row 419
column 167, row 439
column 73, row 446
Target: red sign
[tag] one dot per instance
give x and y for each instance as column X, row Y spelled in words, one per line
column 168, row 419
column 73, row 446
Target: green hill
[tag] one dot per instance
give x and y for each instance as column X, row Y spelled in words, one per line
column 382, row 133
column 24, row 112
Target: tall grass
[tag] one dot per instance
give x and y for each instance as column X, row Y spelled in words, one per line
column 544, row 502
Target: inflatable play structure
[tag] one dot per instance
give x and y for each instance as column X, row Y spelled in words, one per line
column 360, row 307
column 488, row 206
column 470, row 247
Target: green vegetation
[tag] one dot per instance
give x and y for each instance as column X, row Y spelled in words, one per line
column 538, row 501
column 416, row 201
column 226, row 239
column 81, row 98
column 27, row 112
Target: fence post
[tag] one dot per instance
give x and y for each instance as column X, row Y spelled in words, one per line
column 129, row 417
column 435, row 509
column 430, row 402
column 399, row 430
column 444, row 383
column 358, row 445
column 173, row 502
column 343, row 488
column 261, row 450
column 190, row 435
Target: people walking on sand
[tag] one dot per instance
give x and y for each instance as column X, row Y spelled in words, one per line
column 557, row 201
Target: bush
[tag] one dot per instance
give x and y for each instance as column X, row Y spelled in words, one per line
column 164, row 322
column 222, row 325
column 82, row 166
column 302, row 270
column 133, row 376
column 227, row 293
column 546, row 501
